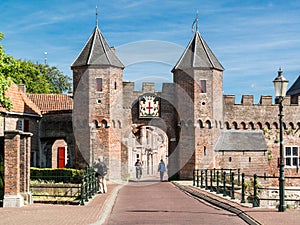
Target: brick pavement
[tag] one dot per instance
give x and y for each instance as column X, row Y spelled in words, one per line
column 154, row 202
column 101, row 205
column 47, row 214
column 264, row 216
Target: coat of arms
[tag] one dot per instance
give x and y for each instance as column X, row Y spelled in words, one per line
column 149, row 106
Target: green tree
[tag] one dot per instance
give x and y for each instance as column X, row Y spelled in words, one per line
column 5, row 62
column 38, row 78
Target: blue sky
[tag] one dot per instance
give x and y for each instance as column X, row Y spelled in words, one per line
column 251, row 38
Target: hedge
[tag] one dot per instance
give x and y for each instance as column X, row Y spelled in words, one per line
column 61, row 175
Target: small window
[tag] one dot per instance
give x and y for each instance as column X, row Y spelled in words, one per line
column 292, row 157
column 99, row 84
column 115, row 85
column 20, row 124
column 230, row 159
column 202, row 86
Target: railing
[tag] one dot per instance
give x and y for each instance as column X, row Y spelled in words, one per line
column 89, row 186
column 232, row 183
column 81, row 192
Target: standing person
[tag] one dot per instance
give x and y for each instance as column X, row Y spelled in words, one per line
column 138, row 168
column 161, row 169
column 101, row 171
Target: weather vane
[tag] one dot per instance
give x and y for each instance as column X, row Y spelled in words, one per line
column 96, row 15
column 195, row 23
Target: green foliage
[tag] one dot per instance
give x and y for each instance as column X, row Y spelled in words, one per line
column 49, row 175
column 249, row 187
column 38, row 78
column 270, row 157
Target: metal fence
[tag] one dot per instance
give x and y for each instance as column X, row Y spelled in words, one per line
column 253, row 189
column 77, row 193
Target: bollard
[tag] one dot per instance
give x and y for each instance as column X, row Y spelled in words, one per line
column 89, row 183
column 232, row 185
column 211, row 181
column 243, row 188
column 218, row 188
column 194, row 178
column 224, row 184
column 214, row 174
column 239, row 177
column 206, row 180
column 82, row 191
column 201, row 178
column 197, row 172
column 86, row 188
column 255, row 203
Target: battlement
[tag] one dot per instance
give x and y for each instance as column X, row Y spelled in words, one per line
column 248, row 100
column 147, row 87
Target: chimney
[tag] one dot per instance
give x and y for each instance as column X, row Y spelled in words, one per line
column 22, row 87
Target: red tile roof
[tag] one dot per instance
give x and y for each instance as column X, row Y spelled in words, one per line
column 52, row 102
column 21, row 103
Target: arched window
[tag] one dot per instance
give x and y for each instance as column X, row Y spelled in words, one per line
column 227, row 126
column 251, row 126
column 268, row 125
column 235, row 125
column 243, row 125
column 208, row 124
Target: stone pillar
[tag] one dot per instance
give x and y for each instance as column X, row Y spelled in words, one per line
column 16, row 168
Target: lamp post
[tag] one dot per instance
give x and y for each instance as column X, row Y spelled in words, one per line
column 93, row 136
column 280, row 86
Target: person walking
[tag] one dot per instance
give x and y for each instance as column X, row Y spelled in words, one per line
column 138, row 169
column 101, row 171
column 161, row 169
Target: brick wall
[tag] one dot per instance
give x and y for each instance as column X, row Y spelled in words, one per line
column 16, row 168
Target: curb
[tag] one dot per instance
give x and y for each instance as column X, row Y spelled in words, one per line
column 248, row 219
column 108, row 205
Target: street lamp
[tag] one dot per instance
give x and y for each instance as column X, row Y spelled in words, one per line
column 93, row 136
column 280, row 86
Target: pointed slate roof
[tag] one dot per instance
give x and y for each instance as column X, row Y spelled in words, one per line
column 295, row 88
column 97, row 52
column 198, row 55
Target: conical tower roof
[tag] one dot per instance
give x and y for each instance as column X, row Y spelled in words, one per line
column 198, row 55
column 97, row 52
column 295, row 88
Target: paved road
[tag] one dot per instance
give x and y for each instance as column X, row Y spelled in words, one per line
column 162, row 203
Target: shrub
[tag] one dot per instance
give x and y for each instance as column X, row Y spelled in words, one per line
column 49, row 175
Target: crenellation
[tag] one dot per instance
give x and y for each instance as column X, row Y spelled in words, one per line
column 229, row 99
column 128, row 86
column 148, row 87
column 247, row 100
column 265, row 100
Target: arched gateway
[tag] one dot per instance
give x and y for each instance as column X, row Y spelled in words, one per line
column 147, row 124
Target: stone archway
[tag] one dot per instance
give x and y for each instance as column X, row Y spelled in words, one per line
column 166, row 123
column 150, row 145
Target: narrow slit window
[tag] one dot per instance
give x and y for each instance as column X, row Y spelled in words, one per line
column 202, row 86
column 99, row 84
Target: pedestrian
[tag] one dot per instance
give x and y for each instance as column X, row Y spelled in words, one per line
column 138, row 168
column 161, row 169
column 101, row 171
